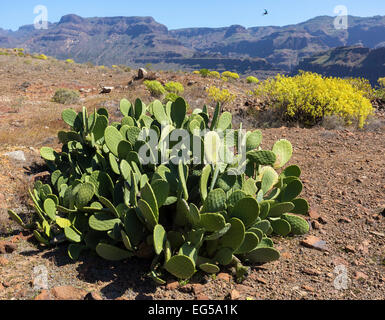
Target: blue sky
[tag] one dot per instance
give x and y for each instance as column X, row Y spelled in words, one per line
column 194, row 13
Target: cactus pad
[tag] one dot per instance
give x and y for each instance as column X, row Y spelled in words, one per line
column 180, row 266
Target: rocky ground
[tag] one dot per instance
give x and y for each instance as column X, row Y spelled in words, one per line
column 343, row 257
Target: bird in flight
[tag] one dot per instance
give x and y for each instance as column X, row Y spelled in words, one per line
column 265, row 13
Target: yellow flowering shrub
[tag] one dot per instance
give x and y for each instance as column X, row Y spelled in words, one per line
column 41, row 57
column 309, row 97
column 230, row 75
column 381, row 82
column 155, row 87
column 214, row 74
column 223, row 96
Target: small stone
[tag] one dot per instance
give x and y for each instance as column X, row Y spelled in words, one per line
column 315, row 243
column 3, row 261
column 360, row 275
column 142, row 73
column 316, row 225
column 106, row 90
column 44, row 295
column 16, row 155
column 286, row 255
column 122, row 299
column 68, row 293
column 172, row 285
column 311, row 272
column 346, row 220
column 308, row 288
column 234, row 295
column 93, row 296
column 197, row 288
column 350, row 249
column 224, row 276
column 202, row 297
column 261, row 280
column 313, row 213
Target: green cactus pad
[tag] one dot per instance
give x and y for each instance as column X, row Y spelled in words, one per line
column 269, row 179
column 112, row 253
column 148, row 195
column 247, row 210
column 215, row 201
column 178, row 112
column 264, row 158
column 292, row 171
column 161, row 190
column 50, row 209
column 212, row 222
column 280, row 226
column 301, row 206
column 40, row 238
column 253, row 140
column 209, row 268
column 15, row 217
column 283, row 150
column 62, row 222
column 298, row 225
column 125, row 106
column 180, row 266
column 48, row 154
column 193, row 215
column 159, row 236
column 250, row 242
column 204, row 181
column 278, row 209
column 72, row 235
column 113, row 137
column 218, row 234
column 263, row 225
column 263, row 255
column 291, row 191
column 102, row 221
column 160, row 113
column 84, row 194
column 148, row 214
column 234, row 237
column 224, row 121
column 235, row 197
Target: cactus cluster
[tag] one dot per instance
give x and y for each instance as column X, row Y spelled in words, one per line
column 187, row 217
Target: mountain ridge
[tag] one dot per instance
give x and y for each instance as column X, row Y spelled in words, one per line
column 132, row 40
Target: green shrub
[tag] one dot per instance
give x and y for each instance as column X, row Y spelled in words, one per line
column 155, row 87
column 40, row 56
column 174, row 87
column 204, row 73
column 171, row 96
column 66, row 96
column 252, row 79
column 70, row 61
column 188, row 217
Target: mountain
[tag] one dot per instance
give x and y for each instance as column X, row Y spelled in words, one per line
column 354, row 61
column 137, row 40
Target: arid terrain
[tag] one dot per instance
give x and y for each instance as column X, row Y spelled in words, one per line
column 342, row 170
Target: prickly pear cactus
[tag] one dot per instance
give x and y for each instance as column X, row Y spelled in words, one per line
column 125, row 189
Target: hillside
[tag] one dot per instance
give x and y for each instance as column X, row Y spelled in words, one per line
column 356, row 61
column 345, row 194
column 137, row 40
